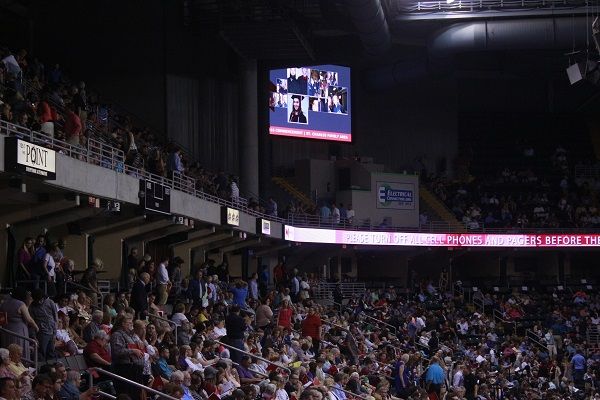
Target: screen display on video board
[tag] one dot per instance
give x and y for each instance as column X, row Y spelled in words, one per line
column 311, row 102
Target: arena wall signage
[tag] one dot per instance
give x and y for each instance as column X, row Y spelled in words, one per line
column 157, row 197
column 395, row 195
column 230, row 216
column 263, row 226
column 30, row 159
column 332, row 236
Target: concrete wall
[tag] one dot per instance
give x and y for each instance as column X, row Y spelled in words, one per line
column 247, row 223
column 94, row 180
column 364, row 202
column 322, row 178
column 190, row 206
column 109, row 248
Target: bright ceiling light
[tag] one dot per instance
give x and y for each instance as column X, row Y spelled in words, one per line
column 449, row 1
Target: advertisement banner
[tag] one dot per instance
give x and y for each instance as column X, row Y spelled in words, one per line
column 370, row 238
column 395, row 195
column 30, row 159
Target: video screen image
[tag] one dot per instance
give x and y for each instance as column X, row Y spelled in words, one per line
column 311, row 102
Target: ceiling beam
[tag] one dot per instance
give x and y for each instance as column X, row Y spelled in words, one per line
column 203, row 241
column 15, row 216
column 236, row 246
column 272, row 250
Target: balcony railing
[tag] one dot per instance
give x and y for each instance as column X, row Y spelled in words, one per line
column 98, row 153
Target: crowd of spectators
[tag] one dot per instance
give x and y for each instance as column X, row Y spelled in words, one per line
column 179, row 332
column 529, row 190
column 44, row 99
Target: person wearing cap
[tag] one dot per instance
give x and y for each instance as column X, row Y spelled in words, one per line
column 297, row 115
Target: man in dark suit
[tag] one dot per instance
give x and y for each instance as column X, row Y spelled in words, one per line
column 139, row 295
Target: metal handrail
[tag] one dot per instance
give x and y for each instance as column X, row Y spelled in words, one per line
column 335, row 325
column 28, row 339
column 479, row 5
column 77, row 285
column 535, row 338
column 107, row 395
column 166, row 320
column 348, row 392
column 98, row 153
column 419, row 344
column 130, row 382
column 30, row 281
column 499, row 316
column 254, row 355
column 340, row 304
column 480, row 303
column 381, row 322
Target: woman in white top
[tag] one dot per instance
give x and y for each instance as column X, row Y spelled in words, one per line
column 193, row 365
column 64, row 342
column 178, row 314
column 49, row 268
column 218, row 330
column 281, row 394
column 198, row 358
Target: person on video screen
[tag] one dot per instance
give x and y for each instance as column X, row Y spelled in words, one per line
column 297, row 115
column 296, row 82
column 314, row 84
column 337, row 106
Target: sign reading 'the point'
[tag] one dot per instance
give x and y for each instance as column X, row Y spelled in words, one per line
column 29, row 159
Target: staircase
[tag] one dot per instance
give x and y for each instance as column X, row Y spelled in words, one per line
column 432, row 202
column 592, row 338
column 536, row 339
column 350, row 290
column 296, row 193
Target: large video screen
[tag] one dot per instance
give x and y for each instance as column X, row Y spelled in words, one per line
column 311, row 102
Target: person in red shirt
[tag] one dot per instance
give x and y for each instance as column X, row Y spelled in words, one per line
column 311, row 326
column 279, row 274
column 47, row 115
column 96, row 353
column 73, row 128
column 285, row 315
